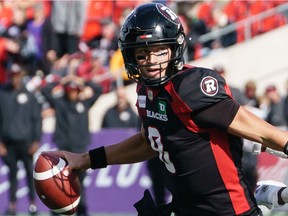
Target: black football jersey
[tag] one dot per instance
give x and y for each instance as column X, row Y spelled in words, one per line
column 186, row 121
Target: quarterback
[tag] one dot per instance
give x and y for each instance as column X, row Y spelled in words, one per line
column 190, row 121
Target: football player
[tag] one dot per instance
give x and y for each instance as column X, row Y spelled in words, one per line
column 190, row 120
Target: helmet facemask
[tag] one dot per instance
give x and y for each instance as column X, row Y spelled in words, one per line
column 175, row 64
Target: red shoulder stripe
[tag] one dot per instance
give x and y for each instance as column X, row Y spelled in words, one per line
column 181, row 109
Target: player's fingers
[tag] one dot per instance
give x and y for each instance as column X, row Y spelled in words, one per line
column 54, row 154
column 66, row 171
column 61, row 154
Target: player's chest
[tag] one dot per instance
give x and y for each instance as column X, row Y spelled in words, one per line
column 156, row 109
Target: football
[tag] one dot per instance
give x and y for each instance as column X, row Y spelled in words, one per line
column 59, row 192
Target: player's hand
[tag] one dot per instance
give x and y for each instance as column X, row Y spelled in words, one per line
column 267, row 193
column 76, row 161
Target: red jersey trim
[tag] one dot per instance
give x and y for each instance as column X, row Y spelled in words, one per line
column 228, row 171
column 181, row 109
column 228, row 90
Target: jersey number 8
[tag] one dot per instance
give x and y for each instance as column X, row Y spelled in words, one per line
column 156, row 144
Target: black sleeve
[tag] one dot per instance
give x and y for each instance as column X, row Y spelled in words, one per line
column 219, row 115
column 36, row 119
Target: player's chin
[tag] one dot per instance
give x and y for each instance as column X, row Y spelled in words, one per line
column 153, row 75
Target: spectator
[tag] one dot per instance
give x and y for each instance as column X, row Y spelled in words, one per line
column 255, row 104
column 20, row 133
column 107, row 40
column 6, row 16
column 117, row 68
column 3, row 58
column 20, row 44
column 222, row 21
column 72, row 126
column 197, row 28
column 60, row 66
column 92, row 68
column 236, row 92
column 68, row 18
column 250, row 93
column 121, row 115
column 275, row 114
column 41, row 28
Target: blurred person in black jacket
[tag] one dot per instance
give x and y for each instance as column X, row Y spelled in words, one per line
column 20, row 133
column 276, row 111
column 121, row 115
column 20, row 43
column 72, row 98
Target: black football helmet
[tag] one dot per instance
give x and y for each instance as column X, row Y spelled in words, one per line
column 147, row 25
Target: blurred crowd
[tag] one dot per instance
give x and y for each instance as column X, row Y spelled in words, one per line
column 50, row 40
column 79, row 37
column 71, row 46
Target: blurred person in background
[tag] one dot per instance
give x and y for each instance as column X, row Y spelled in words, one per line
column 117, row 68
column 250, row 93
column 107, row 40
column 236, row 92
column 20, row 134
column 255, row 104
column 20, row 43
column 6, row 18
column 275, row 115
column 40, row 27
column 72, row 98
column 121, row 115
column 68, row 19
column 222, row 21
column 3, row 58
column 93, row 68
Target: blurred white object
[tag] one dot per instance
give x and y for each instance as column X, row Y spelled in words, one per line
column 266, row 193
column 256, row 148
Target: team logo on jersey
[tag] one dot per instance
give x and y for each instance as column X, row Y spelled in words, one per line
column 156, row 115
column 162, row 107
column 142, row 101
column 150, row 94
column 209, row 86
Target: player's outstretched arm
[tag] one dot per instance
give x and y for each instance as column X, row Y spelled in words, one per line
column 249, row 126
column 131, row 150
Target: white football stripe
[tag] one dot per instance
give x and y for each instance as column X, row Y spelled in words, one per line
column 67, row 208
column 50, row 173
